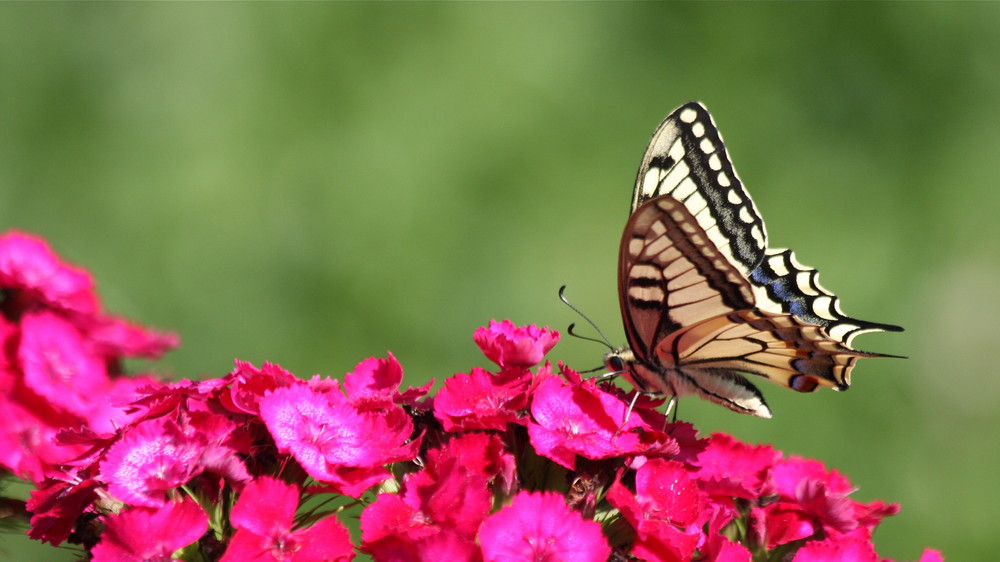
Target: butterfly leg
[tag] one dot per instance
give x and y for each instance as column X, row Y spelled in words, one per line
column 671, row 407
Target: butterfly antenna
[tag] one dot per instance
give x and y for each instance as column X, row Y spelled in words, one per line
column 562, row 297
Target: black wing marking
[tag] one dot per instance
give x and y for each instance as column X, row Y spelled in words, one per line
column 688, row 160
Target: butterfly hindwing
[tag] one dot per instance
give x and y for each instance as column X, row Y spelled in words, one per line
column 690, row 318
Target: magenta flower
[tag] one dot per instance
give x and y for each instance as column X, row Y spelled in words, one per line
column 111, row 337
column 333, row 441
column 264, row 517
column 374, row 384
column 156, row 456
column 246, row 385
column 582, row 420
column 508, row 345
column 30, row 269
column 59, row 367
column 55, row 507
column 28, row 444
column 731, row 468
column 667, row 510
column 443, row 505
column 853, row 547
column 541, row 527
column 482, row 400
column 150, row 533
column 811, row 500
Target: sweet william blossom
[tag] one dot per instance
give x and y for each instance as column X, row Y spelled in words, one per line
column 540, row 526
column 667, row 511
column 374, row 384
column 441, row 506
column 264, row 519
column 334, row 442
column 508, row 345
column 482, row 400
column 32, row 271
column 150, row 534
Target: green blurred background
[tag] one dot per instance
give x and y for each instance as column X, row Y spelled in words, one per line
column 313, row 184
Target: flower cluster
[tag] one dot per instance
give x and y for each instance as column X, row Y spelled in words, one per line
column 522, row 462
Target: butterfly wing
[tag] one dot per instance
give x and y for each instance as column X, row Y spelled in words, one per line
column 692, row 325
column 687, row 160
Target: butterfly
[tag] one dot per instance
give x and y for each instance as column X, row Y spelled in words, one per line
column 706, row 304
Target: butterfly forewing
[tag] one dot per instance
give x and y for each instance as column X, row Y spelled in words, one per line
column 687, row 160
column 671, row 275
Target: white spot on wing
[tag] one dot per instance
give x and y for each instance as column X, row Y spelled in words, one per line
column 723, row 179
column 745, row 215
column 802, row 281
column 714, row 162
column 658, row 245
column 778, row 265
column 698, row 129
column 734, row 197
column 706, row 146
column 821, row 306
column 689, row 115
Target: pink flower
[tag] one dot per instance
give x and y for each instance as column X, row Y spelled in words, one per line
column 445, row 503
column 732, row 468
column 112, row 337
column 263, row 517
column 478, row 453
column 248, row 384
column 28, row 445
column 482, row 400
column 333, row 441
column 374, row 384
column 812, row 499
column 30, row 268
column 55, row 507
column 58, row 365
column 540, row 526
column 150, row 533
column 930, row 555
column 853, row 547
column 158, row 455
column 667, row 510
column 508, row 345
column 581, row 420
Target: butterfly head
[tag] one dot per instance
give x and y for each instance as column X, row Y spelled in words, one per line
column 622, row 361
column 619, row 361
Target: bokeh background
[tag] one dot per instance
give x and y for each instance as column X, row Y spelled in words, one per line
column 314, row 184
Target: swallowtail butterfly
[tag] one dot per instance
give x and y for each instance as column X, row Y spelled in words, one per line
column 704, row 300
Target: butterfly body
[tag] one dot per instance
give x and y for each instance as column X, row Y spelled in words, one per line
column 704, row 301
